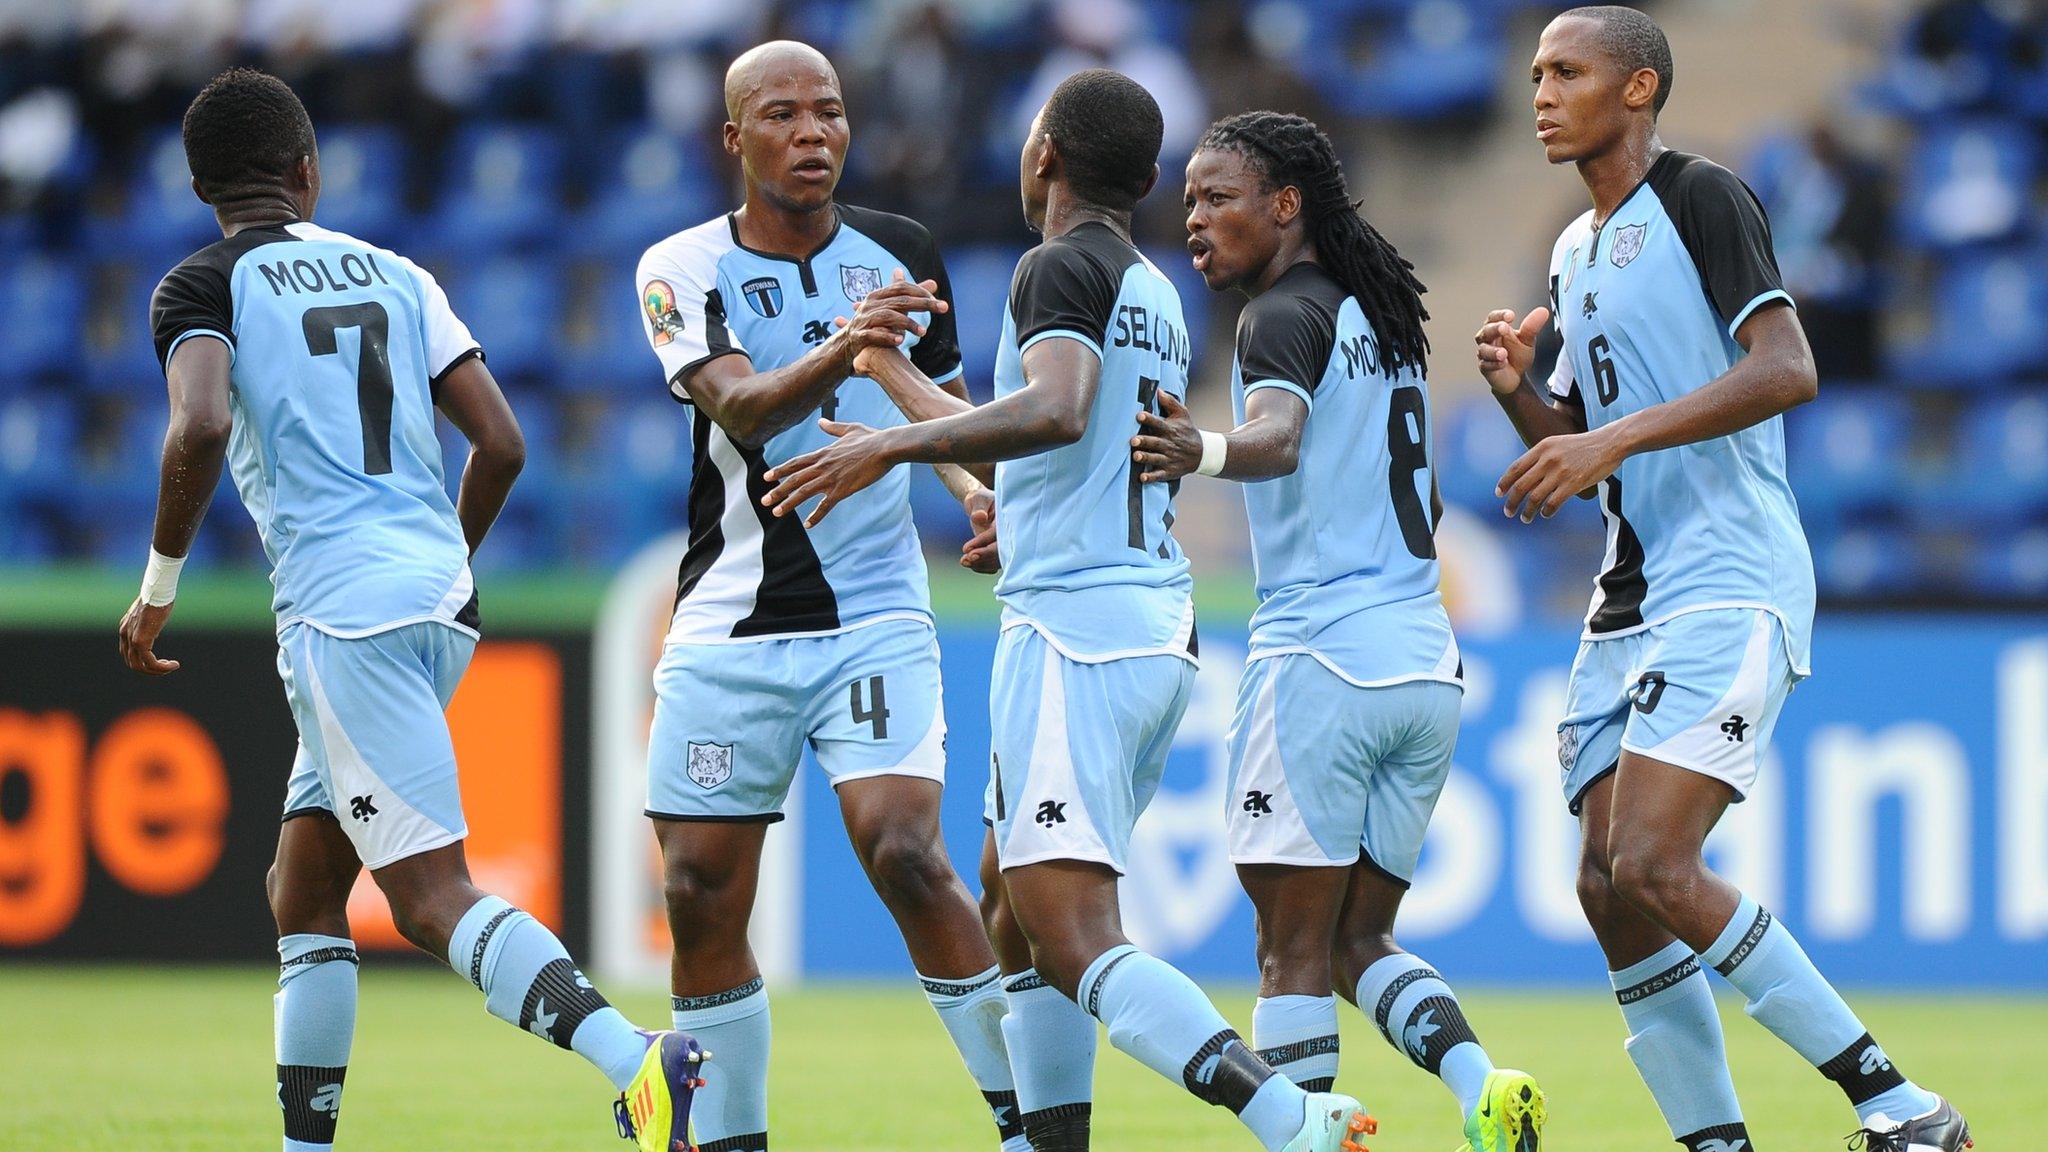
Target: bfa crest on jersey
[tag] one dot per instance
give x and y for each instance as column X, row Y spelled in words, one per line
column 764, row 294
column 710, row 764
column 1628, row 244
column 858, row 282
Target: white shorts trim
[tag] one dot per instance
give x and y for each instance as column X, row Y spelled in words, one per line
column 1348, row 678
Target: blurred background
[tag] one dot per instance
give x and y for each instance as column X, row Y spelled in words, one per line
column 528, row 150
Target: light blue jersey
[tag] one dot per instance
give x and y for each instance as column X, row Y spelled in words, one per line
column 749, row 574
column 338, row 347
column 1344, row 548
column 1648, row 306
column 1089, row 558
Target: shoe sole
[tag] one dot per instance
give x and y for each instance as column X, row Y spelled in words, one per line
column 1524, row 1111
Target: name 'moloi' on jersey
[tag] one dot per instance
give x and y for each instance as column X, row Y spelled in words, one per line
column 314, row 275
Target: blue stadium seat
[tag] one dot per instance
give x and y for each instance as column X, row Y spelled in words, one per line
column 1988, row 312
column 42, row 317
column 632, row 481
column 1878, row 558
column 1474, row 445
column 39, row 433
column 2011, row 564
column 30, row 532
column 1846, row 453
column 501, row 190
column 981, row 286
column 657, row 185
column 1443, row 60
column 513, row 306
column 603, row 347
column 362, row 184
column 163, row 221
column 118, row 354
column 1969, row 181
column 2000, row 464
column 534, row 526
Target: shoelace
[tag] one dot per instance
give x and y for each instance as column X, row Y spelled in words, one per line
column 1871, row 1140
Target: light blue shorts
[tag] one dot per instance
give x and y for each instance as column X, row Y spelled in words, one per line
column 1322, row 769
column 1077, row 749
column 731, row 720
column 374, row 748
column 1700, row 691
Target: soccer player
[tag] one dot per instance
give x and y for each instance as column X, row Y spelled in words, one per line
column 1681, row 350
column 785, row 635
column 313, row 363
column 1348, row 711
column 1096, row 659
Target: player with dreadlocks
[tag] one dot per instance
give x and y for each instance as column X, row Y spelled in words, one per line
column 1348, row 712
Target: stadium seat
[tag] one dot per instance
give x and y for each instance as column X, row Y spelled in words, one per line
column 603, row 347
column 632, row 481
column 163, row 221
column 1872, row 559
column 362, row 184
column 1969, row 181
column 1474, row 445
column 1988, row 311
column 501, row 190
column 2011, row 564
column 118, row 352
column 513, row 306
column 39, row 434
column 1847, row 452
column 1999, row 470
column 1443, row 60
column 657, row 185
column 42, row 317
column 981, row 287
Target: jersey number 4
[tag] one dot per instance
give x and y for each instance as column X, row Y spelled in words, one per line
column 373, row 370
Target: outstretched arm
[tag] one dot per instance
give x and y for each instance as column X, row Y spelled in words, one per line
column 1266, row 445
column 194, row 449
column 1061, row 376
column 920, row 400
column 1777, row 376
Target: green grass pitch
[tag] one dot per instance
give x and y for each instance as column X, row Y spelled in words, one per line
column 179, row 1060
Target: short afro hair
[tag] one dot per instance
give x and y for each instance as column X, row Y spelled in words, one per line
column 1634, row 41
column 245, row 128
column 1109, row 130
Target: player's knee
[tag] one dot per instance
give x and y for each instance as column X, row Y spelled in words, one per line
column 1655, row 881
column 909, row 871
column 695, row 892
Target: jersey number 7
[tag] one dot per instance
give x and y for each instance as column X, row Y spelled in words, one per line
column 373, row 370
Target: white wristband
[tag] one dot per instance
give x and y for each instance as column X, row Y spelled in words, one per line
column 160, row 579
column 1215, row 446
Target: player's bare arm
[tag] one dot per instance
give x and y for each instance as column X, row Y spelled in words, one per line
column 1051, row 411
column 1776, row 376
column 471, row 399
column 1506, row 350
column 194, row 450
column 752, row 406
column 1266, row 445
column 920, row 399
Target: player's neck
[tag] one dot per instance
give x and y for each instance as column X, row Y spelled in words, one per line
column 796, row 233
column 1065, row 212
column 265, row 210
column 1292, row 252
column 1613, row 175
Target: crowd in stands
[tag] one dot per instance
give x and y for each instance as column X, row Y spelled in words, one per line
column 527, row 150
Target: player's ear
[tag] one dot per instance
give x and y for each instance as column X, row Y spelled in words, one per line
column 1047, row 164
column 1286, row 205
column 732, row 138
column 1150, row 182
column 1641, row 90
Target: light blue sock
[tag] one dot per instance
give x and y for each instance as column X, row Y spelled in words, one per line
column 730, row 1112
column 1675, row 1040
column 1297, row 1035
column 1156, row 1014
column 315, row 1013
column 529, row 981
column 972, row 1011
column 1788, row 995
column 1412, row 1006
column 1051, row 1043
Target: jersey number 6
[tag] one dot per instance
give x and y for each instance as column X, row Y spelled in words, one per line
column 373, row 371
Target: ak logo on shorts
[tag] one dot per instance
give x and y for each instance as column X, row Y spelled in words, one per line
column 1258, row 803
column 362, row 807
column 1735, row 728
column 710, row 764
column 1051, row 812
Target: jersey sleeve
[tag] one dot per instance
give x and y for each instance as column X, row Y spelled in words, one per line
column 1563, row 385
column 683, row 314
column 193, row 300
column 1060, row 291
column 1729, row 238
column 937, row 352
column 1285, row 341
column 448, row 341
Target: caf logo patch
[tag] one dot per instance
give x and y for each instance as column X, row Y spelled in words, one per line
column 660, row 301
